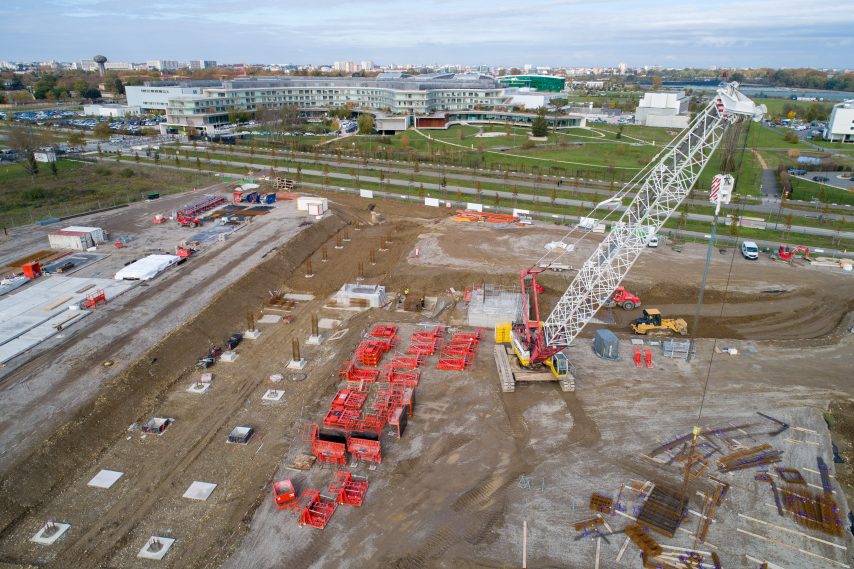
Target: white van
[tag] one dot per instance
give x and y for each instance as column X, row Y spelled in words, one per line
column 749, row 250
column 652, row 241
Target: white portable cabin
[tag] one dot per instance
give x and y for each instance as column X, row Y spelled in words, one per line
column 312, row 205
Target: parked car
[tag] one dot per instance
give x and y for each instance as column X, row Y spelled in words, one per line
column 65, row 267
column 797, row 172
column 653, row 241
column 820, row 179
column 233, row 341
column 749, row 250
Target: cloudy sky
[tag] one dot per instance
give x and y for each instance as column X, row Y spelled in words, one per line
column 748, row 33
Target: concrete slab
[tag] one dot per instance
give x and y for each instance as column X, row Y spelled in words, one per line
column 269, row 319
column 38, row 311
column 299, row 296
column 198, row 388
column 328, row 323
column 297, row 364
column 105, row 479
column 251, row 334
column 228, row 356
column 199, row 490
column 273, row 395
column 314, row 340
column 155, row 548
column 50, row 532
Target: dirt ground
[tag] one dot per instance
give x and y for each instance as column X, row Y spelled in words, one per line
column 473, row 463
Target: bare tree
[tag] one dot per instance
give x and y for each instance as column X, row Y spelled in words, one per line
column 25, row 140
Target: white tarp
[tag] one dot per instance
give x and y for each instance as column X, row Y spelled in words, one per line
column 433, row 202
column 474, row 206
column 587, row 222
column 146, row 268
column 560, row 246
column 366, row 194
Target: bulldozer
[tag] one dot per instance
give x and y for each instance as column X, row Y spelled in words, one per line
column 652, row 323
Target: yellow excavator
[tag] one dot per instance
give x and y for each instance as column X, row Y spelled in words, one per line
column 652, row 323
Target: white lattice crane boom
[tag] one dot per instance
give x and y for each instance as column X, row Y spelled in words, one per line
column 662, row 191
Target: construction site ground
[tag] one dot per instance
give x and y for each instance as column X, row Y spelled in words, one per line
column 473, row 464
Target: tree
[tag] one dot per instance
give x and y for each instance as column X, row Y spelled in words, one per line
column 462, row 133
column 656, row 83
column 558, row 103
column 102, row 131
column 76, row 139
column 477, row 188
column 54, row 169
column 366, row 123
column 25, row 141
column 136, row 157
column 540, row 126
column 404, row 141
column 198, row 163
column 21, row 97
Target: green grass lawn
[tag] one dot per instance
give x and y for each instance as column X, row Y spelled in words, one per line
column 83, row 186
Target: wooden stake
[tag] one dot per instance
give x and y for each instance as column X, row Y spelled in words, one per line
column 308, row 270
column 323, row 255
column 295, row 347
column 314, row 325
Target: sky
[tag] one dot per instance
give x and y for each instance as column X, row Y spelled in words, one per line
column 671, row 33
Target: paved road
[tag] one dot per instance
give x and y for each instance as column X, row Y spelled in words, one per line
column 521, row 201
column 582, row 186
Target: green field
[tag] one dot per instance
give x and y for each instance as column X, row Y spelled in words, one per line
column 82, row 186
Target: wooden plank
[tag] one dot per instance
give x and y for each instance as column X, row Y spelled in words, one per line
column 59, row 302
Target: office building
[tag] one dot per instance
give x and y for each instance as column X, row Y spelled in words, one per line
column 397, row 100
column 840, row 127
column 668, row 110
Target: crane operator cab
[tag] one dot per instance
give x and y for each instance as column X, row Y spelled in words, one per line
column 559, row 364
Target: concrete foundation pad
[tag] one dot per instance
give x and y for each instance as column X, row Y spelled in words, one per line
column 297, row 364
column 270, row 319
column 273, row 395
column 199, row 490
column 251, row 334
column 198, row 387
column 50, row 532
column 155, row 548
column 328, row 323
column 105, row 479
column 299, row 296
column 228, row 356
column 314, row 340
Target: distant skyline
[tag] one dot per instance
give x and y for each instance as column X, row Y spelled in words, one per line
column 559, row 33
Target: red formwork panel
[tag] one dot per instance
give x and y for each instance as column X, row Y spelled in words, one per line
column 363, row 447
column 373, row 422
column 329, row 448
column 351, row 373
column 451, row 363
column 370, row 352
column 315, row 510
column 341, row 418
column 384, row 331
column 406, row 362
column 348, row 488
column 409, row 378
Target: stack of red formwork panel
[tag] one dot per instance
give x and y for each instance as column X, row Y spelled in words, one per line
column 348, row 488
column 365, row 446
column 359, row 376
column 330, row 448
column 341, row 419
column 373, row 422
column 460, row 351
column 315, row 510
column 384, row 331
column 352, row 399
column 370, row 352
column 406, row 362
column 408, row 378
column 424, row 342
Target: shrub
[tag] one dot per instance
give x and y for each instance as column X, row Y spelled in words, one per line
column 126, row 173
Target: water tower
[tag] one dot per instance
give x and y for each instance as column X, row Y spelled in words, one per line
column 100, row 60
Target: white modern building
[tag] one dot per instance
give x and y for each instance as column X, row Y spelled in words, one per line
column 668, row 110
column 156, row 97
column 163, row 64
column 111, row 110
column 397, row 100
column 118, row 66
column 202, row 64
column 840, row 127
